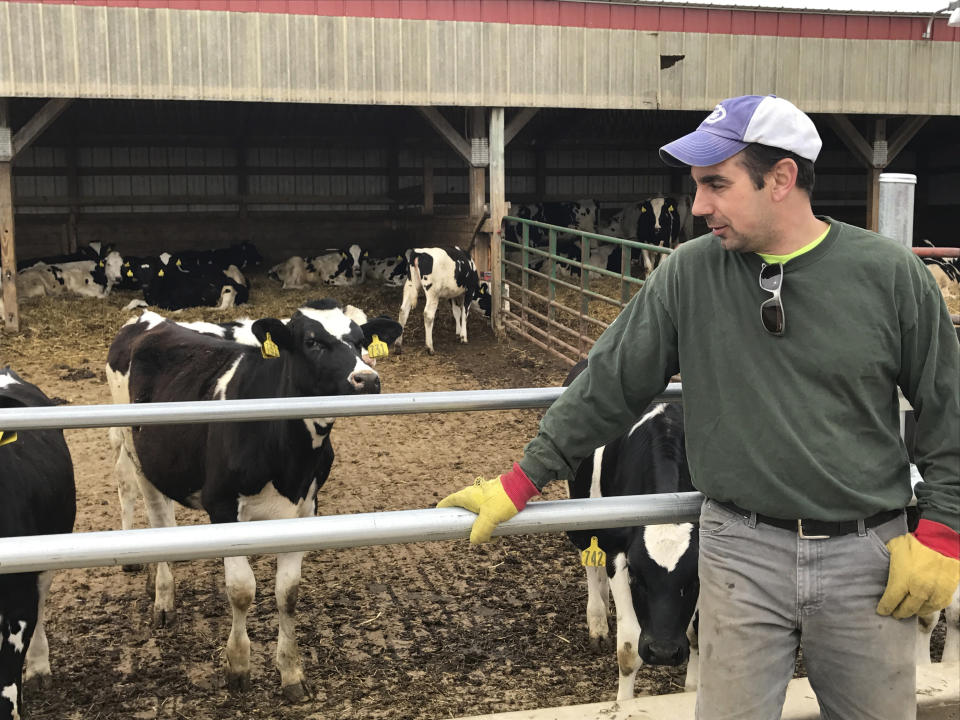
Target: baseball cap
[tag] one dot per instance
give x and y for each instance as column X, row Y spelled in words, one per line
column 737, row 122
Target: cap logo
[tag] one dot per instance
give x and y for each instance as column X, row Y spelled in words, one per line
column 718, row 114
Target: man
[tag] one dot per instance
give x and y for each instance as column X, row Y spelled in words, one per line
column 792, row 333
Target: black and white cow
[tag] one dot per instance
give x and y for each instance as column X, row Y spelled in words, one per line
column 107, row 262
column 171, row 288
column 242, row 255
column 577, row 215
column 442, row 274
column 391, row 271
column 237, row 471
column 37, row 497
column 652, row 570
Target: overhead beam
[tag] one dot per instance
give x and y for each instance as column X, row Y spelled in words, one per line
column 904, row 135
column 852, row 138
column 38, row 123
column 517, row 123
column 447, row 131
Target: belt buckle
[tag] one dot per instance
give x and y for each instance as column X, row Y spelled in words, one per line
column 809, row 537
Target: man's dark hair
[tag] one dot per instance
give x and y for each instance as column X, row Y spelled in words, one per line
column 759, row 160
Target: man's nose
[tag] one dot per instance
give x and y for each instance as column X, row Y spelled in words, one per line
column 701, row 206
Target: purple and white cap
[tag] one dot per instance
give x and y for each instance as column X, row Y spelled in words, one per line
column 737, row 122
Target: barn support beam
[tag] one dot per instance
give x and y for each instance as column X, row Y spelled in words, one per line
column 478, row 176
column 875, row 155
column 447, row 132
column 38, row 123
column 498, row 208
column 517, row 123
column 8, row 256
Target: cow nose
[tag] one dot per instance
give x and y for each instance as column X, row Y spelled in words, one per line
column 663, row 653
column 365, row 381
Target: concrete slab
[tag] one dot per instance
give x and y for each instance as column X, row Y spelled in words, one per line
column 938, row 698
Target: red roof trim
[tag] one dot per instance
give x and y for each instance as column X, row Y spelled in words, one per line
column 578, row 14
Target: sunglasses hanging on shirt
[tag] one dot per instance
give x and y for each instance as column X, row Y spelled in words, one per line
column 771, row 309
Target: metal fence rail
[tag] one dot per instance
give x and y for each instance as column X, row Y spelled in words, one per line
column 186, row 542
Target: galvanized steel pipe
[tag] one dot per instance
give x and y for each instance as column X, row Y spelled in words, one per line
column 121, row 547
column 204, row 411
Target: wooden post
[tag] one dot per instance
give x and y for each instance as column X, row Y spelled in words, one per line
column 11, row 315
column 478, row 174
column 8, row 256
column 873, row 175
column 498, row 204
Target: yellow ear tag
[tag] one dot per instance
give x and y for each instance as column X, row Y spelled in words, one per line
column 129, row 273
column 7, row 437
column 178, row 262
column 269, row 348
column 593, row 556
column 670, row 209
column 160, row 274
column 643, row 209
column 377, row 348
column 101, row 263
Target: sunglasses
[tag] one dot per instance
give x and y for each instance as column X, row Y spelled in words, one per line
column 771, row 309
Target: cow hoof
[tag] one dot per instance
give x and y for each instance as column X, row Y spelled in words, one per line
column 297, row 692
column 429, row 351
column 600, row 645
column 238, row 682
column 132, row 568
column 164, row 618
column 37, row 683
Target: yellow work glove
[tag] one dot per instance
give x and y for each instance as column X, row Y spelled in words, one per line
column 924, row 571
column 495, row 501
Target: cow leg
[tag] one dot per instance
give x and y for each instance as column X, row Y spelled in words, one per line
column 160, row 514
column 460, row 318
column 126, row 473
column 241, row 590
column 598, row 607
column 410, row 297
column 429, row 313
column 951, row 643
column 628, row 629
column 37, row 667
column 288, row 653
column 925, row 626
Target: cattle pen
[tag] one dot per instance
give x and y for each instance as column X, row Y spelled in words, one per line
column 937, row 693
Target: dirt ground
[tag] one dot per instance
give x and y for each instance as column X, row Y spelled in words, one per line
column 419, row 631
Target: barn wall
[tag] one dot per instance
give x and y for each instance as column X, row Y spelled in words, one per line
column 673, row 58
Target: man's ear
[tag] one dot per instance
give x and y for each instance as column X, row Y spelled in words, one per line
column 783, row 178
column 280, row 334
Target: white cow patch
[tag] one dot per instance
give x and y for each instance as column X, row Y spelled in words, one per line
column 10, row 693
column 666, row 544
column 7, row 380
column 318, row 428
column 151, row 319
column 333, row 320
column 595, row 491
column 220, row 389
column 649, row 416
column 268, row 504
column 16, row 639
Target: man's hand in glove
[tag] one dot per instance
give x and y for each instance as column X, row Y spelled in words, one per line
column 924, row 571
column 494, row 501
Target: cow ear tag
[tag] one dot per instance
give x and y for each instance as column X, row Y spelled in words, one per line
column 377, row 348
column 129, row 273
column 160, row 274
column 7, row 437
column 643, row 209
column 269, row 348
column 178, row 262
column 593, row 556
column 670, row 209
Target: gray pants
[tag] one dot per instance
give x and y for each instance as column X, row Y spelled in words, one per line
column 764, row 589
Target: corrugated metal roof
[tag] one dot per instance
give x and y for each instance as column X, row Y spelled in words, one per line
column 873, row 7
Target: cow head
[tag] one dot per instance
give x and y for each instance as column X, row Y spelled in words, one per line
column 483, row 302
column 322, row 350
column 664, row 585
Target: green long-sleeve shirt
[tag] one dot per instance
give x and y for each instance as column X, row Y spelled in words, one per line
column 802, row 425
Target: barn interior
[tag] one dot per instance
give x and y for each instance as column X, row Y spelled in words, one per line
column 295, row 177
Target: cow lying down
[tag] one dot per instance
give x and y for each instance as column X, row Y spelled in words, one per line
column 652, row 570
column 260, row 470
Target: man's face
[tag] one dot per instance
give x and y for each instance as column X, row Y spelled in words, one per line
column 736, row 212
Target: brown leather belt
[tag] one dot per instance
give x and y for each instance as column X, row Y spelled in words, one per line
column 815, row 529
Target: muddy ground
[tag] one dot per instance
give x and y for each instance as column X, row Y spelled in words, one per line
column 420, row 631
